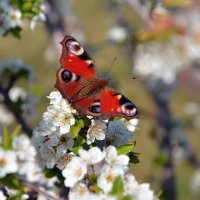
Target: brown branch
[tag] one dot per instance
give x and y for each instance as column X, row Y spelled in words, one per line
column 36, row 189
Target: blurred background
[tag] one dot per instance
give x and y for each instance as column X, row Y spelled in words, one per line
column 157, row 49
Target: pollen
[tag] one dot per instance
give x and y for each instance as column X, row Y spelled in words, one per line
column 2, row 162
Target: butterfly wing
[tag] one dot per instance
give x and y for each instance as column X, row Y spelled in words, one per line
column 113, row 103
column 75, row 59
column 78, row 83
column 77, row 69
column 107, row 102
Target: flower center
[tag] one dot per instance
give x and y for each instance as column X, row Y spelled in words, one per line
column 110, row 178
column 2, row 162
column 78, row 172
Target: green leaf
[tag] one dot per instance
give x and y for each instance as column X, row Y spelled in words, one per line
column 125, row 148
column 118, row 186
column 11, row 181
column 16, row 132
column 49, row 173
column 74, row 130
column 97, row 189
column 6, row 138
column 78, row 144
column 133, row 157
column 16, row 31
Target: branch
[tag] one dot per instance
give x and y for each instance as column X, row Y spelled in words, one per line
column 9, row 104
column 36, row 189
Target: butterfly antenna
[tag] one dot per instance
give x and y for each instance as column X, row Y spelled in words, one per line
column 111, row 66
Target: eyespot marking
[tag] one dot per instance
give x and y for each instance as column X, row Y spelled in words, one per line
column 127, row 107
column 95, row 108
column 74, row 47
column 68, row 76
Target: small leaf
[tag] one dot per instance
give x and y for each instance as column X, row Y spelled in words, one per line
column 11, row 181
column 49, row 173
column 16, row 31
column 125, row 148
column 118, row 186
column 6, row 138
column 78, row 144
column 133, row 157
column 15, row 132
column 97, row 189
column 74, row 130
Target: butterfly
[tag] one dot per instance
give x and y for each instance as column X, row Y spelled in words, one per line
column 79, row 83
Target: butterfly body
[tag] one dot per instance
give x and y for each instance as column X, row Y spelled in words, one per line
column 78, row 82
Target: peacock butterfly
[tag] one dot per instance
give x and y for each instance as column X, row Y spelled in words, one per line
column 78, row 82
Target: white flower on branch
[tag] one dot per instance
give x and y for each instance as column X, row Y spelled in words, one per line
column 79, row 191
column 23, row 148
column 14, row 18
column 96, row 131
column 131, row 124
column 8, row 117
column 2, row 196
column 116, row 160
column 92, row 156
column 75, row 171
column 37, row 19
column 107, row 177
column 8, row 162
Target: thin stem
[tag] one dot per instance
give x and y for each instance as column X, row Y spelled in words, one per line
column 36, row 189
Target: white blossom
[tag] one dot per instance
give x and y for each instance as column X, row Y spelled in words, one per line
column 8, row 117
column 14, row 18
column 79, row 191
column 144, row 192
column 107, row 177
column 117, row 34
column 96, row 131
column 116, row 160
column 92, row 156
column 8, row 162
column 64, row 160
column 37, row 19
column 2, row 196
column 23, row 148
column 131, row 124
column 74, row 171
column 130, row 185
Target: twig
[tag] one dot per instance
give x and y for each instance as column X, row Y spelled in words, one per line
column 9, row 104
column 35, row 188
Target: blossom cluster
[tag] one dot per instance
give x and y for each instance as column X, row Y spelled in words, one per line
column 11, row 17
column 91, row 173
column 20, row 158
column 53, row 138
column 155, row 60
column 95, row 170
